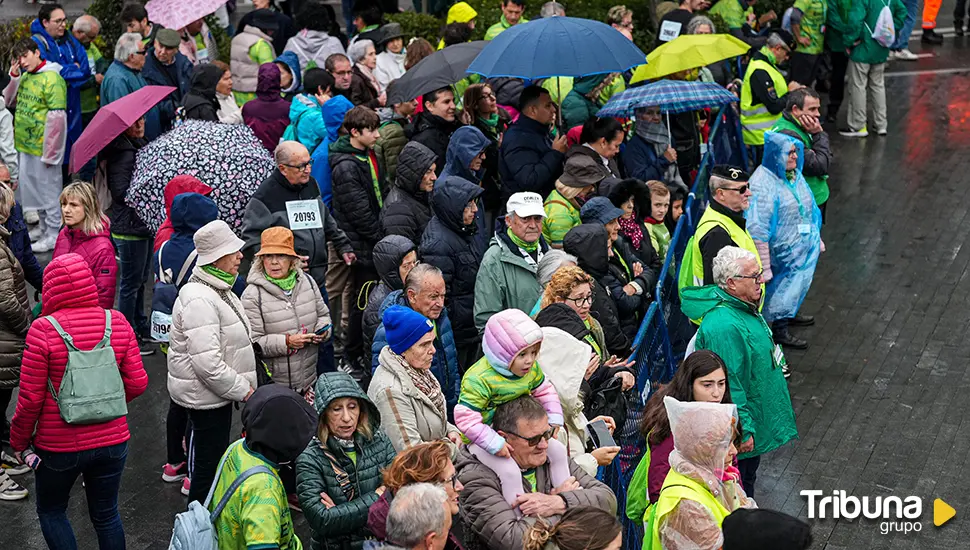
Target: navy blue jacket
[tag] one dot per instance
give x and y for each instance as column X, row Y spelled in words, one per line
column 527, row 161
column 20, row 246
column 465, row 144
column 75, row 70
column 444, row 366
column 453, row 248
column 641, row 161
column 155, row 74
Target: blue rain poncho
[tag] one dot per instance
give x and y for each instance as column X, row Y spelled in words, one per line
column 785, row 223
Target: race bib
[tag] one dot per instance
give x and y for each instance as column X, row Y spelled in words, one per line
column 804, row 228
column 91, row 64
column 669, row 30
column 304, row 214
column 161, row 325
column 202, row 55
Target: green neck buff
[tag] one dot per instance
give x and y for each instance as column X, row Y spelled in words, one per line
column 286, row 283
column 528, row 247
column 491, row 121
column 223, row 276
column 769, row 54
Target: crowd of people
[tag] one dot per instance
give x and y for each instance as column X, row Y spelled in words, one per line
column 427, row 309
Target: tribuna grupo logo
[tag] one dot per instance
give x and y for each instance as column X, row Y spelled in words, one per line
column 895, row 514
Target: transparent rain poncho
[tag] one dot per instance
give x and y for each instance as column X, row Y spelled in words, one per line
column 785, row 223
column 702, row 437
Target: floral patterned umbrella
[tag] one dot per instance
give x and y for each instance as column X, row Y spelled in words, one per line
column 227, row 157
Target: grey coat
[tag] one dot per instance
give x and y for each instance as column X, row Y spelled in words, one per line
column 14, row 314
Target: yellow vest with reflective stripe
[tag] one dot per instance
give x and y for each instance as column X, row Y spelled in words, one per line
column 676, row 488
column 711, row 219
column 755, row 119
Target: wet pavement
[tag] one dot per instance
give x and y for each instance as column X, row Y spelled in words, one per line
column 881, row 396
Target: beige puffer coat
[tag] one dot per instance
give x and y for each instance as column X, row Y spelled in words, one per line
column 210, row 355
column 14, row 313
column 273, row 315
column 408, row 416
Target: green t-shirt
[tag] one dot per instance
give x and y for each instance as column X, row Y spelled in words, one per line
column 732, row 13
column 483, row 388
column 39, row 94
column 257, row 515
column 813, row 19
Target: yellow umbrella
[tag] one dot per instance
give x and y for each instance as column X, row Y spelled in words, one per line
column 689, row 51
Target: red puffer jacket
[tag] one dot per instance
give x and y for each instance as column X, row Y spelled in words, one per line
column 99, row 254
column 71, row 297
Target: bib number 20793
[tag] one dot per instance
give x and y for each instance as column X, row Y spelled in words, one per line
column 304, row 214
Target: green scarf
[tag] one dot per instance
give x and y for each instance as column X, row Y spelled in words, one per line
column 491, row 124
column 227, row 278
column 286, row 283
column 769, row 54
column 528, row 247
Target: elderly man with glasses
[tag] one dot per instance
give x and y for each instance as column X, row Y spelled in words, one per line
column 483, row 510
column 756, row 367
column 124, row 77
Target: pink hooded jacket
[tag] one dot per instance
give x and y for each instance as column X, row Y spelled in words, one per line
column 99, row 253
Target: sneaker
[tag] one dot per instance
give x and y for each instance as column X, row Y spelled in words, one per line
column 892, row 54
column 145, row 347
column 174, row 472
column 906, row 55
column 849, row 132
column 44, row 245
column 11, row 466
column 186, row 485
column 294, row 503
column 31, row 217
column 930, row 36
column 36, row 233
column 10, row 489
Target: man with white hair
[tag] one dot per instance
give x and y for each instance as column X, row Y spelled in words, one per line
column 124, row 77
column 86, row 30
column 552, row 9
column 508, row 275
column 419, row 518
column 733, row 328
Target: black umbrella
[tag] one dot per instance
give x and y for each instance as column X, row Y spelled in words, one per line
column 438, row 70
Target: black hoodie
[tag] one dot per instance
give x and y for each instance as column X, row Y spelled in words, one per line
column 588, row 243
column 388, row 254
column 201, row 102
column 449, row 245
column 407, row 210
column 278, row 423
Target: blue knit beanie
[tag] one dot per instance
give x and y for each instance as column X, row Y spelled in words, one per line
column 403, row 327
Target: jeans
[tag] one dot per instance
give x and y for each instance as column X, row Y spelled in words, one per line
column 134, row 267
column 55, row 477
column 749, row 473
column 902, row 37
column 209, row 440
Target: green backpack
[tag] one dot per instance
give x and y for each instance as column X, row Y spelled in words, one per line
column 91, row 390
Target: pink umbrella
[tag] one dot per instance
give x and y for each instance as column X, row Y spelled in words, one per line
column 175, row 14
column 113, row 119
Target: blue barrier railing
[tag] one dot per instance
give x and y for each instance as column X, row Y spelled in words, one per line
column 663, row 335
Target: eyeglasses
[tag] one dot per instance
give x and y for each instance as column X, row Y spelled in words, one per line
column 450, row 481
column 534, row 440
column 793, row 153
column 742, row 190
column 489, row 95
column 300, row 167
column 342, row 73
column 140, row 52
column 581, row 300
column 756, row 276
column 60, row 21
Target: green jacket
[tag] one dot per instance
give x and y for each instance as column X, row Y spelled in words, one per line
column 576, row 107
column 731, row 11
column 343, row 527
column 741, row 337
column 90, row 89
column 505, row 280
column 502, row 24
column 862, row 19
column 389, row 146
column 818, row 184
column 836, row 21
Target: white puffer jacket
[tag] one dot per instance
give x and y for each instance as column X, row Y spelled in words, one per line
column 210, row 356
column 563, row 360
column 273, row 315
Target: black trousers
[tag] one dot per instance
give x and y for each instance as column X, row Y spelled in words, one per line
column 803, row 67
column 354, row 339
column 209, row 440
column 840, row 62
column 176, row 428
column 749, row 473
column 5, row 395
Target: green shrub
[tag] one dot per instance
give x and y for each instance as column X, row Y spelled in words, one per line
column 10, row 33
column 223, row 40
column 419, row 24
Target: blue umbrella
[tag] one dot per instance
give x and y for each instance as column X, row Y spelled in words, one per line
column 672, row 96
column 557, row 46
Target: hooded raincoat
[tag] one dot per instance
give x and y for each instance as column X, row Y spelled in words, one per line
column 72, row 61
column 348, row 476
column 201, row 102
column 465, row 144
column 699, row 491
column 333, row 112
column 313, row 48
column 290, row 63
column 785, row 224
column 452, row 247
column 389, row 252
column 740, row 336
column 269, row 114
column 175, row 187
column 407, row 209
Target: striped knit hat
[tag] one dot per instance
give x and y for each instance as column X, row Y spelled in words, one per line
column 506, row 334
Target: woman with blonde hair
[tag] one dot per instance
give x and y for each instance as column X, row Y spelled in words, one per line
column 581, row 528
column 87, row 234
